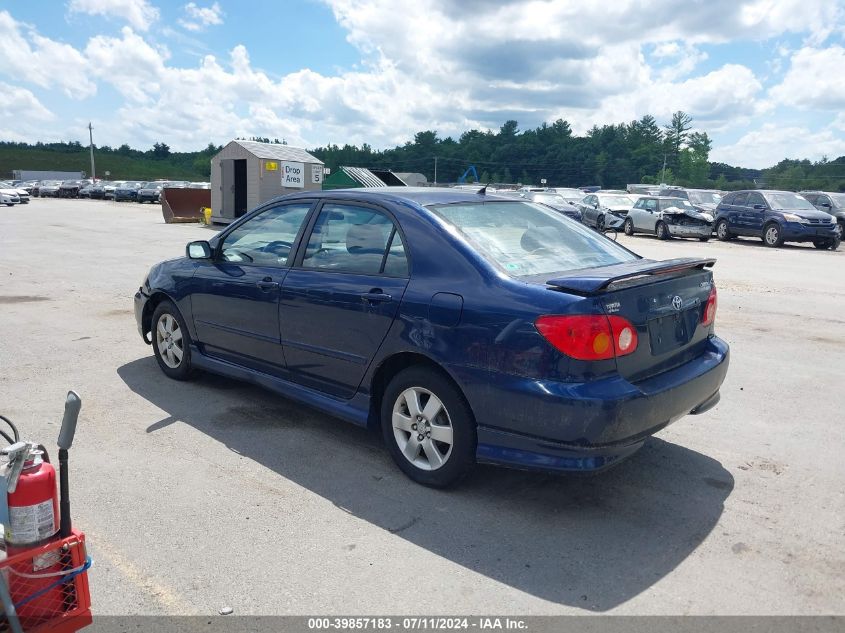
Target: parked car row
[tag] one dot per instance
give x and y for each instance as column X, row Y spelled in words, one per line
column 138, row 190
column 775, row 217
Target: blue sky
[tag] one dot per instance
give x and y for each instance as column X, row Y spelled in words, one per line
column 762, row 77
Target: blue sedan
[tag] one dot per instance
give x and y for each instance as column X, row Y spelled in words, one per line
column 466, row 327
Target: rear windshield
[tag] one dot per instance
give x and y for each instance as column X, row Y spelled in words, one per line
column 526, row 239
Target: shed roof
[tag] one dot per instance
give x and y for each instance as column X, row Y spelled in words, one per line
column 364, row 176
column 278, row 151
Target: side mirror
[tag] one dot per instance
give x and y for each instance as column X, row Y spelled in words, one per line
column 760, row 207
column 826, row 204
column 198, row 250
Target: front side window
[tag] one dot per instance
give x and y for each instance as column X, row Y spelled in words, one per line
column 524, row 239
column 348, row 238
column 650, row 204
column 267, row 238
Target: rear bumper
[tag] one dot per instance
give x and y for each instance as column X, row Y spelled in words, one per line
column 550, row 425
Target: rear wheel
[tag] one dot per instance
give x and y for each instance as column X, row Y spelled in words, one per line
column 722, row 231
column 661, row 231
column 171, row 341
column 629, row 227
column 772, row 236
column 428, row 427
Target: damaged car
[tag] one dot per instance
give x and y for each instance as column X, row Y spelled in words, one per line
column 604, row 210
column 667, row 217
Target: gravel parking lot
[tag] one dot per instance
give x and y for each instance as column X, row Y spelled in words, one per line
column 200, row 495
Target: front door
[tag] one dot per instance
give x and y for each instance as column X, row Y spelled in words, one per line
column 339, row 301
column 235, row 295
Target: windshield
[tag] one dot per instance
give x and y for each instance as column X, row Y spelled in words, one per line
column 704, row 197
column 616, row 201
column 526, row 239
column 549, row 198
column 789, row 201
column 678, row 203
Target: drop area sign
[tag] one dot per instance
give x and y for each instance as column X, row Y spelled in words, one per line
column 293, row 175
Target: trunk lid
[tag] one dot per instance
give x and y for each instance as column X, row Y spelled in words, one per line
column 664, row 301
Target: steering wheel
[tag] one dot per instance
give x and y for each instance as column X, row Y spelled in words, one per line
column 274, row 246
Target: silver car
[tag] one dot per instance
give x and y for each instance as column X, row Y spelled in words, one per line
column 667, row 217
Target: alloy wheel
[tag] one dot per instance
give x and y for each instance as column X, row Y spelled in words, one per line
column 772, row 235
column 422, row 428
column 169, row 340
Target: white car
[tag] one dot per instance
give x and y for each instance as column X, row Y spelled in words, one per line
column 668, row 217
column 23, row 194
column 9, row 197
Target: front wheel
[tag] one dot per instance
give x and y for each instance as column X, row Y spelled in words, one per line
column 629, row 227
column 662, row 231
column 831, row 243
column 428, row 427
column 600, row 223
column 772, row 236
column 171, row 341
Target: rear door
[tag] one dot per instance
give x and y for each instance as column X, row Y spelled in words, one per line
column 735, row 210
column 235, row 295
column 341, row 297
column 754, row 214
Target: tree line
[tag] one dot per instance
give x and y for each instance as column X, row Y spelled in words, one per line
column 610, row 156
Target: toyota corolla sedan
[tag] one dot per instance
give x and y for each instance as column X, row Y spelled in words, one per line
column 466, row 327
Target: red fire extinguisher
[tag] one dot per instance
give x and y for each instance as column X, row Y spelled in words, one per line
column 33, row 513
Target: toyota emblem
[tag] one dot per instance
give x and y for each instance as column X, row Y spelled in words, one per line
column 677, row 302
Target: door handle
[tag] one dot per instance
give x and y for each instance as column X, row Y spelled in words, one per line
column 267, row 284
column 375, row 297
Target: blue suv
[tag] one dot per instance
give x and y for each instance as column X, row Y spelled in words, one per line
column 775, row 217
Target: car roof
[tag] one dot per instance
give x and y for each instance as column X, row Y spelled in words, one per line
column 420, row 195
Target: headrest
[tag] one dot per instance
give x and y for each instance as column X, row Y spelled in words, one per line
column 366, row 238
column 540, row 237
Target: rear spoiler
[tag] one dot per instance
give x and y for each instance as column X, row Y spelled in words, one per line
column 589, row 281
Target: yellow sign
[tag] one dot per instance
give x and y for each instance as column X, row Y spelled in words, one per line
column 271, row 166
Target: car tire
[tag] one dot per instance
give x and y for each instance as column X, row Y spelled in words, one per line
column 171, row 341
column 722, row 232
column 600, row 223
column 629, row 227
column 405, row 401
column 662, row 231
column 832, row 243
column 772, row 235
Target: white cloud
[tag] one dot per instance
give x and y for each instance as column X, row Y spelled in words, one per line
column 139, row 13
column 197, row 18
column 22, row 115
column 772, row 143
column 814, row 79
column 41, row 61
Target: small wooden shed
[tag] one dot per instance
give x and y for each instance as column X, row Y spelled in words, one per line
column 246, row 173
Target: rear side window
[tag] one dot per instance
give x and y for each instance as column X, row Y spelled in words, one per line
column 739, row 199
column 526, row 239
column 349, row 238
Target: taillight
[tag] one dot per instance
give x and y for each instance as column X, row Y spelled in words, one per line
column 709, row 314
column 589, row 336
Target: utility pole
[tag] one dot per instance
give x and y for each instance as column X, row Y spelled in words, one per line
column 435, row 170
column 663, row 174
column 91, row 147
